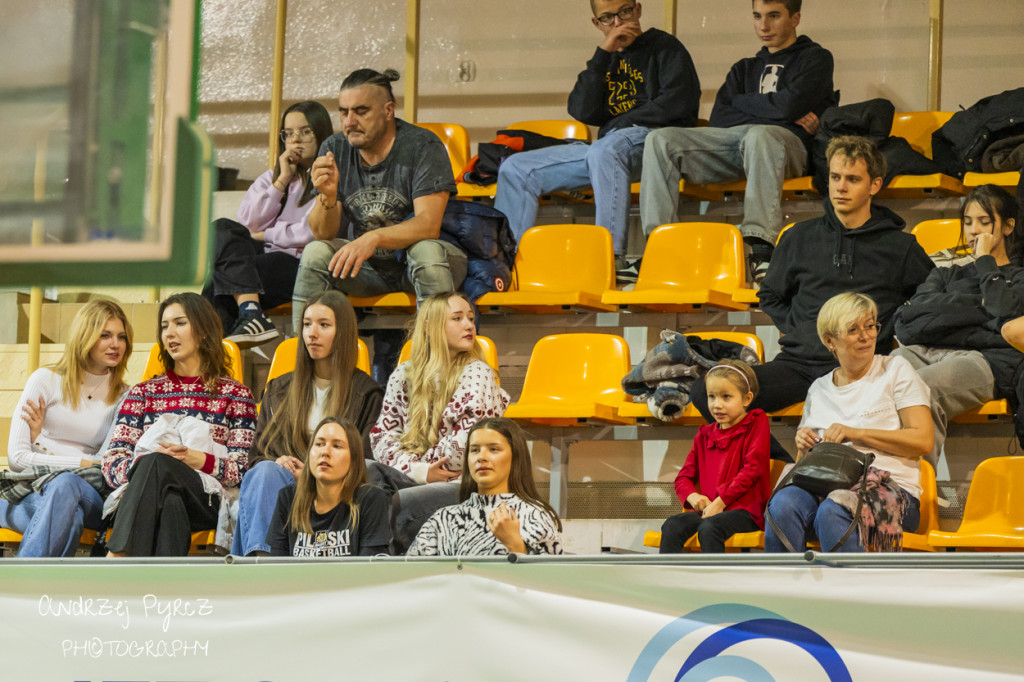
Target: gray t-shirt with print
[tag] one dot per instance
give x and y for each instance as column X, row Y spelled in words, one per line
column 382, row 195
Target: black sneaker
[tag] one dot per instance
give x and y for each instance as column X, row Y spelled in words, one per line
column 626, row 271
column 758, row 260
column 252, row 331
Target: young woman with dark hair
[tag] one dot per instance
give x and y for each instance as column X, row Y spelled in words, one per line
column 331, row 510
column 325, row 383
column 171, row 489
column 500, row 510
column 257, row 257
column 950, row 329
column 60, row 422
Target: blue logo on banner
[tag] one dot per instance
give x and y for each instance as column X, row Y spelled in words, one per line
column 742, row 623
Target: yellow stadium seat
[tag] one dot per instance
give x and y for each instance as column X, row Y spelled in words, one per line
column 916, row 127
column 1008, row 180
column 741, row 541
column 562, row 130
column 456, row 142
column 285, row 356
column 574, row 378
column 155, row 368
column 395, row 300
column 549, row 276
column 939, row 234
column 201, row 543
column 918, row 542
column 486, row 346
column 690, row 415
column 687, row 266
column 994, row 512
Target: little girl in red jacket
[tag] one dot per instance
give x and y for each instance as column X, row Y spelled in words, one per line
column 725, row 479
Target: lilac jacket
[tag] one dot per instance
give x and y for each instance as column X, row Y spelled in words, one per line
column 288, row 232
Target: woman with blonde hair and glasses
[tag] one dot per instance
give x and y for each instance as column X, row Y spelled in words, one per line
column 61, row 422
column 431, row 403
column 874, row 403
column 257, row 256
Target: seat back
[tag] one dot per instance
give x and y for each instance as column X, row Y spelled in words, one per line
column 936, row 235
column 929, row 500
column 551, row 258
column 155, row 368
column 691, row 256
column 577, row 368
column 455, row 140
column 916, row 127
column 285, row 355
column 747, row 339
column 484, row 344
column 995, row 502
column 563, row 130
column 782, row 232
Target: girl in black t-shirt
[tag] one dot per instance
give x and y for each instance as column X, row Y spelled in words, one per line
column 331, row 511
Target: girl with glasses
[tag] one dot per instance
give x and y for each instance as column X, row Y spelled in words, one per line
column 257, row 256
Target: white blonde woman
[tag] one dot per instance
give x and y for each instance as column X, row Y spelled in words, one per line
column 431, row 403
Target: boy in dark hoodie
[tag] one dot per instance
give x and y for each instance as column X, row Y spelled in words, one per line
column 761, row 128
column 636, row 81
column 856, row 246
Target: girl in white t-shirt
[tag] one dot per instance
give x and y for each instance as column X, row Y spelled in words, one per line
column 875, row 403
column 61, row 421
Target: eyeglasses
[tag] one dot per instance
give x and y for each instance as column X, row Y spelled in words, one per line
column 302, row 134
column 624, row 14
column 868, row 330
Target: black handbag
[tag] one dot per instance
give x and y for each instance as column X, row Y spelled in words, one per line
column 826, row 467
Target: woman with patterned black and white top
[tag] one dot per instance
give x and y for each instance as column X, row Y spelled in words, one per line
column 501, row 511
column 431, row 403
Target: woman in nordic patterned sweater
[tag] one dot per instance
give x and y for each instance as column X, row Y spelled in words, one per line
column 175, row 490
column 430, row 404
column 500, row 510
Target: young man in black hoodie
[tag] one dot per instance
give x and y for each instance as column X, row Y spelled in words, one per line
column 636, row 81
column 856, row 246
column 761, row 129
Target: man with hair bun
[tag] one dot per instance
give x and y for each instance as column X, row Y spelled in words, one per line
column 383, row 186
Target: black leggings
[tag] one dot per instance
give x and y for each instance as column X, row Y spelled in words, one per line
column 712, row 532
column 163, row 505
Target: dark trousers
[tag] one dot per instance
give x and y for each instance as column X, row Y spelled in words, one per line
column 163, row 505
column 712, row 532
column 241, row 266
column 783, row 382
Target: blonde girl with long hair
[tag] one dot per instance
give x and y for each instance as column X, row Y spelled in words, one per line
column 431, row 403
column 325, row 383
column 331, row 510
column 61, row 421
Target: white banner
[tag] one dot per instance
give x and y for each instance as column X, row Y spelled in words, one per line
column 441, row 621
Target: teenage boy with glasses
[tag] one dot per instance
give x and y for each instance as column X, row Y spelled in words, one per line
column 636, row 81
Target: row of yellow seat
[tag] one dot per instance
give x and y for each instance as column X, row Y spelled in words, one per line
column 914, row 126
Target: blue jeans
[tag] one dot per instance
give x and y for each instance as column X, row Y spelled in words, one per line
column 608, row 165
column 763, row 154
column 433, row 266
column 51, row 523
column 801, row 517
column 257, row 499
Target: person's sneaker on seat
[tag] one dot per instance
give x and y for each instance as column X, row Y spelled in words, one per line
column 626, row 271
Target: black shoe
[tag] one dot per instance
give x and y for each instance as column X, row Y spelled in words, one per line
column 626, row 271
column 758, row 260
column 252, row 331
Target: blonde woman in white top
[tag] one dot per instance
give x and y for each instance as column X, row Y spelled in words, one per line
column 61, row 421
